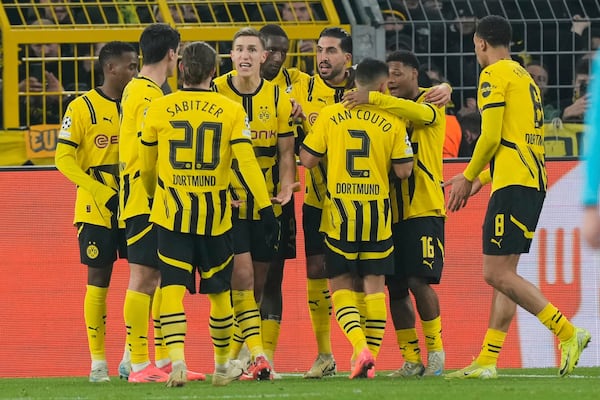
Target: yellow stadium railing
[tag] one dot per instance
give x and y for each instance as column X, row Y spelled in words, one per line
column 61, row 37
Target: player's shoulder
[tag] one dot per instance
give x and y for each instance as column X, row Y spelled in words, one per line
column 222, row 79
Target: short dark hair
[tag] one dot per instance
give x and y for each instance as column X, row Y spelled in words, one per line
column 405, row 57
column 369, row 70
column 199, row 61
column 156, row 41
column 114, row 49
column 495, row 30
column 339, row 33
column 248, row 31
column 272, row 30
column 582, row 67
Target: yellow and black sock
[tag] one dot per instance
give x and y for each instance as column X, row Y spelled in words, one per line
column 94, row 312
column 248, row 319
column 376, row 317
column 319, row 305
column 408, row 342
column 174, row 321
column 220, row 325
column 135, row 313
column 432, row 330
column 492, row 345
column 161, row 352
column 558, row 324
column 348, row 317
column 270, row 336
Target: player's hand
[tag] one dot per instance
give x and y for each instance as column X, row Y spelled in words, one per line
column 285, row 195
column 591, row 227
column 236, row 203
column 460, row 190
column 272, row 227
column 477, row 185
column 354, row 98
column 439, row 95
column 297, row 113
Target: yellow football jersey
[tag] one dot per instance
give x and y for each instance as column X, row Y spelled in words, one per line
column 421, row 194
column 268, row 111
column 512, row 136
column 361, row 145
column 137, row 96
column 88, row 152
column 194, row 135
column 314, row 94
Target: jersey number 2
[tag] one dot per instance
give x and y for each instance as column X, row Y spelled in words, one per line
column 206, row 129
column 362, row 152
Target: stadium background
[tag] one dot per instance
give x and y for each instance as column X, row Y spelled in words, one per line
column 41, row 320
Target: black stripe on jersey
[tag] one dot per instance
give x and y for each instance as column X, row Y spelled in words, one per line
column 424, row 169
column 401, row 160
column 374, row 220
column 126, row 188
column 136, row 175
column 411, row 182
column 360, row 219
column 210, row 212
column 178, row 217
column 276, row 97
column 249, row 197
column 223, row 202
column 493, row 105
column 112, row 169
column 399, row 198
column 540, row 167
column 344, row 216
column 97, row 174
column 288, row 78
column 161, row 184
column 311, row 87
column 434, row 114
column 91, row 108
column 149, row 144
column 286, row 134
column 240, row 140
column 194, row 211
column 311, row 151
column 513, row 146
column 139, row 134
column 247, row 103
column 264, row 151
column 68, row 142
column 339, row 94
column 386, row 209
column 314, row 184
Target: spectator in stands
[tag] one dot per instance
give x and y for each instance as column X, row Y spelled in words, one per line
column 300, row 11
column 470, row 124
column 577, row 105
column 540, row 75
column 397, row 32
column 181, row 13
column 43, row 72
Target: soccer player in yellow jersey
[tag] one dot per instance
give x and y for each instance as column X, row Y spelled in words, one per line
column 418, row 214
column 362, row 145
column 512, row 142
column 159, row 44
column 269, row 113
column 188, row 142
column 87, row 154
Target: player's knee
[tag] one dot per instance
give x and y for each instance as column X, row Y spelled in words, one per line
column 397, row 292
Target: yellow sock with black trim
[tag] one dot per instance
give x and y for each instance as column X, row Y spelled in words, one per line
column 408, row 343
column 161, row 352
column 248, row 319
column 270, row 336
column 319, row 306
column 492, row 345
column 174, row 321
column 362, row 308
column 135, row 312
column 348, row 317
column 220, row 325
column 94, row 313
column 432, row 330
column 376, row 317
column 558, row 324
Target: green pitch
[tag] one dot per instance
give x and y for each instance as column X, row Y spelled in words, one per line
column 521, row 384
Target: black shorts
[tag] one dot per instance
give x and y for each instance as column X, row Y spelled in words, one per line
column 510, row 221
column 141, row 241
column 249, row 236
column 181, row 254
column 358, row 258
column 287, row 242
column 314, row 241
column 418, row 250
column 100, row 246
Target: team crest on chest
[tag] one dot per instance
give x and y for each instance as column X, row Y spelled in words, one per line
column 263, row 114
